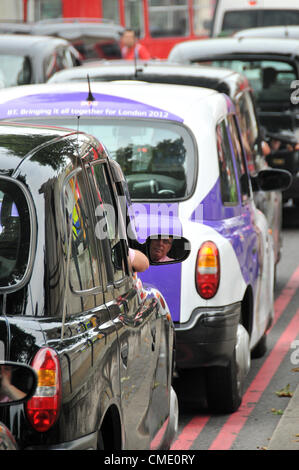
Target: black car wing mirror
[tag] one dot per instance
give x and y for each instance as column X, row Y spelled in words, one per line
column 167, row 249
column 271, row 180
column 17, row 383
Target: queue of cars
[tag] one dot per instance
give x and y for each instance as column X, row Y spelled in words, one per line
column 162, row 146
column 105, row 342
column 227, row 81
column 271, row 66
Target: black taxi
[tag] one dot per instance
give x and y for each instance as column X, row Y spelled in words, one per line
column 100, row 342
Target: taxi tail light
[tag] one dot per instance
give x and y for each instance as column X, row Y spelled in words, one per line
column 207, row 274
column 43, row 408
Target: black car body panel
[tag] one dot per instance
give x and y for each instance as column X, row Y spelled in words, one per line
column 114, row 346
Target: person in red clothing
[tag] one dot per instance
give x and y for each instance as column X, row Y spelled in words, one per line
column 131, row 49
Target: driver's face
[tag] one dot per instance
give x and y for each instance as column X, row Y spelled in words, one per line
column 128, row 38
column 160, row 248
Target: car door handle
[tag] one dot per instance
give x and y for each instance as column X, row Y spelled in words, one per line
column 124, row 353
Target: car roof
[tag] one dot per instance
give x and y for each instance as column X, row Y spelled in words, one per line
column 14, row 28
column 76, row 28
column 221, row 79
column 204, row 48
column 21, row 44
column 288, row 31
column 19, row 141
column 126, row 97
column 127, row 68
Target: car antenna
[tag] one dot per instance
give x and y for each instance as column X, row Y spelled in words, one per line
column 136, row 66
column 90, row 96
column 286, row 32
column 135, row 62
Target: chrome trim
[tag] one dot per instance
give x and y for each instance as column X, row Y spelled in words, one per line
column 173, row 422
column 205, row 311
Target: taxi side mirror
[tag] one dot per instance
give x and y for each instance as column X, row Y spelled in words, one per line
column 17, row 383
column 166, row 249
column 271, row 180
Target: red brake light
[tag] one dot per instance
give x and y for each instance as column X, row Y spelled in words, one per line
column 207, row 274
column 43, row 408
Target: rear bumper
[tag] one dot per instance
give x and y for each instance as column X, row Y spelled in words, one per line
column 208, row 338
column 88, row 442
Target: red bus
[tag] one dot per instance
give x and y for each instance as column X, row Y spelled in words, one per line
column 160, row 23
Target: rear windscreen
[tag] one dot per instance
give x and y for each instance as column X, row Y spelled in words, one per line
column 270, row 79
column 158, row 157
column 14, row 70
column 14, row 233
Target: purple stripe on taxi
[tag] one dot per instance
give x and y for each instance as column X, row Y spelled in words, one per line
column 212, row 208
column 229, row 222
column 77, row 104
column 161, row 218
column 167, row 279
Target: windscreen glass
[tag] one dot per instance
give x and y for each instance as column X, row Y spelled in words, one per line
column 242, row 19
column 237, row 20
column 270, row 80
column 158, row 158
column 168, row 18
column 14, row 70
